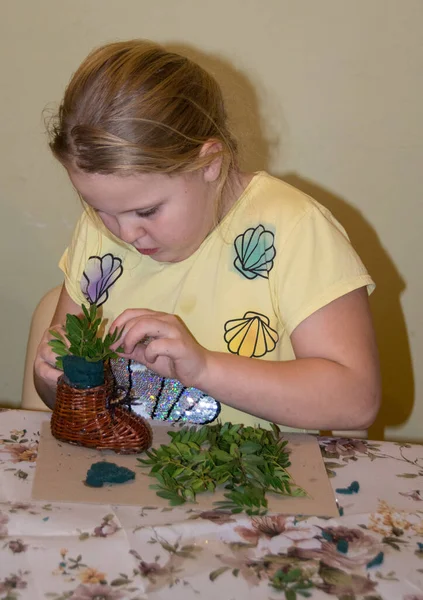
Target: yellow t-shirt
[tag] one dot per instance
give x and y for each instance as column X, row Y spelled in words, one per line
column 275, row 258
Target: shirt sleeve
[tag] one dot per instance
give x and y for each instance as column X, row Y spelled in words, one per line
column 315, row 265
column 75, row 257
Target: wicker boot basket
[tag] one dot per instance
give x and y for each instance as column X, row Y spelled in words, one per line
column 86, row 417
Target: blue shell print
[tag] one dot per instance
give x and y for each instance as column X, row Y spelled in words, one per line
column 255, row 251
column 251, row 335
column 100, row 273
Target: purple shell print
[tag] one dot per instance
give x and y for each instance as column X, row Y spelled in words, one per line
column 100, row 274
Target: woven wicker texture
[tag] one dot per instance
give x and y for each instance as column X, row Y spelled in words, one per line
column 84, row 417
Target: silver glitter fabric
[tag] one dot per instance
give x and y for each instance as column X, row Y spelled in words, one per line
column 155, row 397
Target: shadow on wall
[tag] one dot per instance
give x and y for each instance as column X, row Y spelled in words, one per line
column 391, row 332
column 241, row 104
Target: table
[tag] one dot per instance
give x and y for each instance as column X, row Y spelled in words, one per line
column 374, row 550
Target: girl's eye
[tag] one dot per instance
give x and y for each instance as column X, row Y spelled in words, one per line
column 147, row 213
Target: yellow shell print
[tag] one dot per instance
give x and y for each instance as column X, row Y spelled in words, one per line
column 251, row 335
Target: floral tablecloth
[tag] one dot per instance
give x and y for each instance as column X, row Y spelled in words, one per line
column 373, row 551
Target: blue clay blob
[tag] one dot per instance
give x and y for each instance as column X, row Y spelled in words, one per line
column 351, row 489
column 104, row 472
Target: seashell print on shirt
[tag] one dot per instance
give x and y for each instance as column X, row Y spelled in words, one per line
column 255, row 252
column 250, row 335
column 100, row 273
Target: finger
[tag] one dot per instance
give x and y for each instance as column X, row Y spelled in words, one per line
column 47, row 355
column 137, row 330
column 45, row 352
column 47, row 373
column 170, row 348
column 131, row 313
column 59, row 328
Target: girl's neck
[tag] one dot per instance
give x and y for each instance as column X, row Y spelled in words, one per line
column 236, row 184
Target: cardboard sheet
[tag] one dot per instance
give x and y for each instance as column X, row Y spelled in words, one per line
column 61, row 470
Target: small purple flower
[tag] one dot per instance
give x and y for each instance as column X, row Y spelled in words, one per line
column 344, row 447
column 361, row 548
column 4, row 519
column 152, row 570
column 21, row 506
column 107, row 527
column 17, row 546
column 96, row 591
column 219, row 517
column 100, row 273
column 13, row 582
column 414, row 495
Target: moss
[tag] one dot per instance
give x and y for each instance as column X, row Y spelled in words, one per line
column 351, row 489
column 104, row 472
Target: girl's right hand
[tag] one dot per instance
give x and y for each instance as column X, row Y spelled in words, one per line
column 45, row 359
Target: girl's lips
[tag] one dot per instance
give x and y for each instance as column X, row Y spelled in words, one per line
column 147, row 251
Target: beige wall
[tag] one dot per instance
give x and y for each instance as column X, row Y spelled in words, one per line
column 327, row 94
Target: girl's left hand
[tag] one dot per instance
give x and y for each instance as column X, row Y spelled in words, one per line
column 162, row 343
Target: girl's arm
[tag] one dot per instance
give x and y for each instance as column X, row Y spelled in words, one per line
column 333, row 384
column 45, row 373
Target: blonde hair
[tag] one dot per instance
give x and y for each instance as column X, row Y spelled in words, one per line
column 133, row 107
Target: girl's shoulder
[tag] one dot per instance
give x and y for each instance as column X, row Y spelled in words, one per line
column 92, row 240
column 270, row 199
column 91, row 232
column 89, row 224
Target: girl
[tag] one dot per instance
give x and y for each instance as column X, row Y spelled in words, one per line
column 238, row 295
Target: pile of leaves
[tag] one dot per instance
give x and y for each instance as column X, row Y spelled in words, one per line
column 248, row 462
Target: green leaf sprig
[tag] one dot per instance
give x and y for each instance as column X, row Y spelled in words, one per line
column 248, row 461
column 83, row 335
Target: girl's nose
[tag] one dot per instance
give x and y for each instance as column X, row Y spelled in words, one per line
column 129, row 233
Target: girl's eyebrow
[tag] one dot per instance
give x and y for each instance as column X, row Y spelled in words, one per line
column 140, row 210
column 144, row 209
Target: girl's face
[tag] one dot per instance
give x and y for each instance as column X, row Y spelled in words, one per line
column 166, row 217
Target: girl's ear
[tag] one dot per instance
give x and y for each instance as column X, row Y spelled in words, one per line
column 211, row 172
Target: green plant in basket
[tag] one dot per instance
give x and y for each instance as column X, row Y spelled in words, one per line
column 82, row 350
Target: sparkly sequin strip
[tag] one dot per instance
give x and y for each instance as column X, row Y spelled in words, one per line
column 156, row 397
